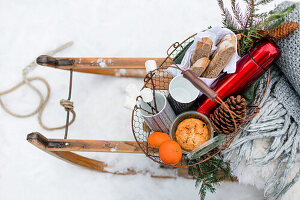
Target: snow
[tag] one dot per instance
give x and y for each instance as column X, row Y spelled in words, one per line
column 132, row 90
column 129, row 102
column 99, row 29
column 101, row 62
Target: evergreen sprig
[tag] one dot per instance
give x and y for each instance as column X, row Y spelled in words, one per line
column 209, row 174
column 251, row 23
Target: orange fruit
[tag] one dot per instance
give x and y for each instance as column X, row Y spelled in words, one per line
column 170, row 152
column 155, row 139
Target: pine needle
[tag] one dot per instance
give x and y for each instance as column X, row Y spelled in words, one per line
column 209, row 174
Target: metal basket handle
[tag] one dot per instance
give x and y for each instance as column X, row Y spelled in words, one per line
column 200, row 85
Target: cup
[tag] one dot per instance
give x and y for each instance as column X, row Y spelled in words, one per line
column 162, row 120
column 182, row 94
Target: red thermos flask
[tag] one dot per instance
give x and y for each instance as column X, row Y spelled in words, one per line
column 248, row 69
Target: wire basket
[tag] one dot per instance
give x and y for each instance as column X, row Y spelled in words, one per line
column 158, row 80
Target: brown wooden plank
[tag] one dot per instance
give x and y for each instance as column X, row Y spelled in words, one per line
column 93, row 146
column 123, row 67
column 115, row 72
column 42, row 142
column 109, row 63
column 80, row 160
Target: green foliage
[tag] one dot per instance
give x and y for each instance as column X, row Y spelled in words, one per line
column 276, row 18
column 251, row 23
column 209, row 174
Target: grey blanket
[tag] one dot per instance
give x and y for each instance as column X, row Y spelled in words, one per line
column 289, row 62
column 278, row 119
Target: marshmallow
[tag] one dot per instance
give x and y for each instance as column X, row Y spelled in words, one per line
column 147, row 95
column 150, row 65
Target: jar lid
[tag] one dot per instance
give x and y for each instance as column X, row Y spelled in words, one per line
column 206, row 147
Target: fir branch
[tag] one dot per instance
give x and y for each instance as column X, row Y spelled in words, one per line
column 263, row 2
column 274, row 16
column 251, row 24
column 228, row 19
column 237, row 13
column 251, row 8
column 209, row 174
column 275, row 24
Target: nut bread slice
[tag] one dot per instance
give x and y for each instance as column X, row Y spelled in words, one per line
column 226, row 48
column 200, row 65
column 203, row 49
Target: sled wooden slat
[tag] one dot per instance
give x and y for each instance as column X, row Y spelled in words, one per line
column 121, row 67
column 94, row 146
column 80, row 160
column 140, row 73
column 43, row 143
column 84, row 145
column 109, row 63
column 63, row 152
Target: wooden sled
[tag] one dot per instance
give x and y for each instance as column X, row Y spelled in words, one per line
column 63, row 148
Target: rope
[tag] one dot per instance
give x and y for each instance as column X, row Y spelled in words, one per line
column 68, row 105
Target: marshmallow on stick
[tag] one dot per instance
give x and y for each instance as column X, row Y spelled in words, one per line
column 150, row 65
column 147, row 95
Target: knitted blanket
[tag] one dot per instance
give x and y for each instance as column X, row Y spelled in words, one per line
column 266, row 152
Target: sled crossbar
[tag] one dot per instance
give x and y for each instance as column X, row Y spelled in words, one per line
column 83, row 145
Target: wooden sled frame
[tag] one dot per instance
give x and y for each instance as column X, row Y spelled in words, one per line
column 63, row 148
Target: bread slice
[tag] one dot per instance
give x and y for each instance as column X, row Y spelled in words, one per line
column 200, row 65
column 226, row 48
column 203, row 49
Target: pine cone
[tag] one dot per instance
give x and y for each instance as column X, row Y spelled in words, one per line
column 221, row 119
column 281, row 31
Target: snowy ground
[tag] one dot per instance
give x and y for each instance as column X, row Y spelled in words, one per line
column 118, row 28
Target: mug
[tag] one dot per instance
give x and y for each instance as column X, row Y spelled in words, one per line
column 162, row 120
column 182, row 94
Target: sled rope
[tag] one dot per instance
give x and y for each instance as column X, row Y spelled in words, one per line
column 67, row 104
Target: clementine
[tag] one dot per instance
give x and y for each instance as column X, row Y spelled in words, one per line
column 170, row 152
column 155, row 139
